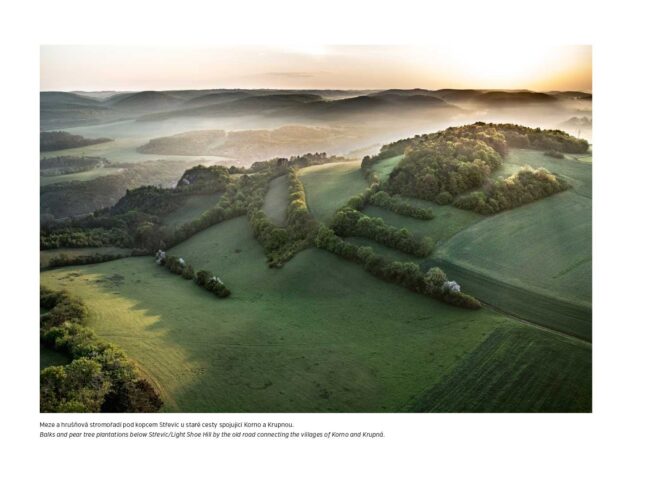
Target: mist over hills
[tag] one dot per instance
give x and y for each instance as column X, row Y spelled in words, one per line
column 70, row 109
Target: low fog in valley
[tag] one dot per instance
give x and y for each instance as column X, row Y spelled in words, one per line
column 152, row 137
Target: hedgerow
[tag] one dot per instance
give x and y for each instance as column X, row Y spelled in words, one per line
column 203, row 278
column 349, row 222
column 397, row 205
column 432, row 283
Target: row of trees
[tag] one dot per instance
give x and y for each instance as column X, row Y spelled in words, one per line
column 64, row 260
column 79, row 237
column 100, row 377
column 397, row 205
column 525, row 186
column 349, row 222
column 432, row 283
column 203, row 278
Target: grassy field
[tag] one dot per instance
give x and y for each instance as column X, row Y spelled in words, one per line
column 446, row 223
column 45, row 256
column 519, row 368
column 80, row 176
column 545, row 245
column 533, row 261
column 192, row 208
column 277, row 200
column 318, row 335
column 329, row 186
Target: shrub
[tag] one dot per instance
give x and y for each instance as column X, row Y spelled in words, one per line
column 213, row 284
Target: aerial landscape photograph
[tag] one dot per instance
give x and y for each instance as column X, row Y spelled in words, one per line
column 315, row 229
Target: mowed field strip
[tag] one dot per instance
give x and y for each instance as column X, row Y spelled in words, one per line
column 319, row 334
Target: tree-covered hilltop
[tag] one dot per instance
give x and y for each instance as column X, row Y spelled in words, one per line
column 51, row 141
column 441, row 166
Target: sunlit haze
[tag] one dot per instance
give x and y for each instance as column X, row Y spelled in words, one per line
column 96, row 68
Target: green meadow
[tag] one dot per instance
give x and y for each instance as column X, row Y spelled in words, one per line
column 277, row 200
column 333, row 337
column 329, row 186
column 192, row 207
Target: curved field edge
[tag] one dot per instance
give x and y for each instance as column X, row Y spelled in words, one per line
column 318, row 335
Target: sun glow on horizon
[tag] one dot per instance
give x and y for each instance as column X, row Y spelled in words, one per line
column 308, row 66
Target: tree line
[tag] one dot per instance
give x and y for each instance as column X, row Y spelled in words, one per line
column 100, row 377
column 203, row 278
column 396, row 204
column 349, row 222
column 64, row 260
column 433, row 283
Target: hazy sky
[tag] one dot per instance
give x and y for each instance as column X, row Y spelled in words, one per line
column 308, row 66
